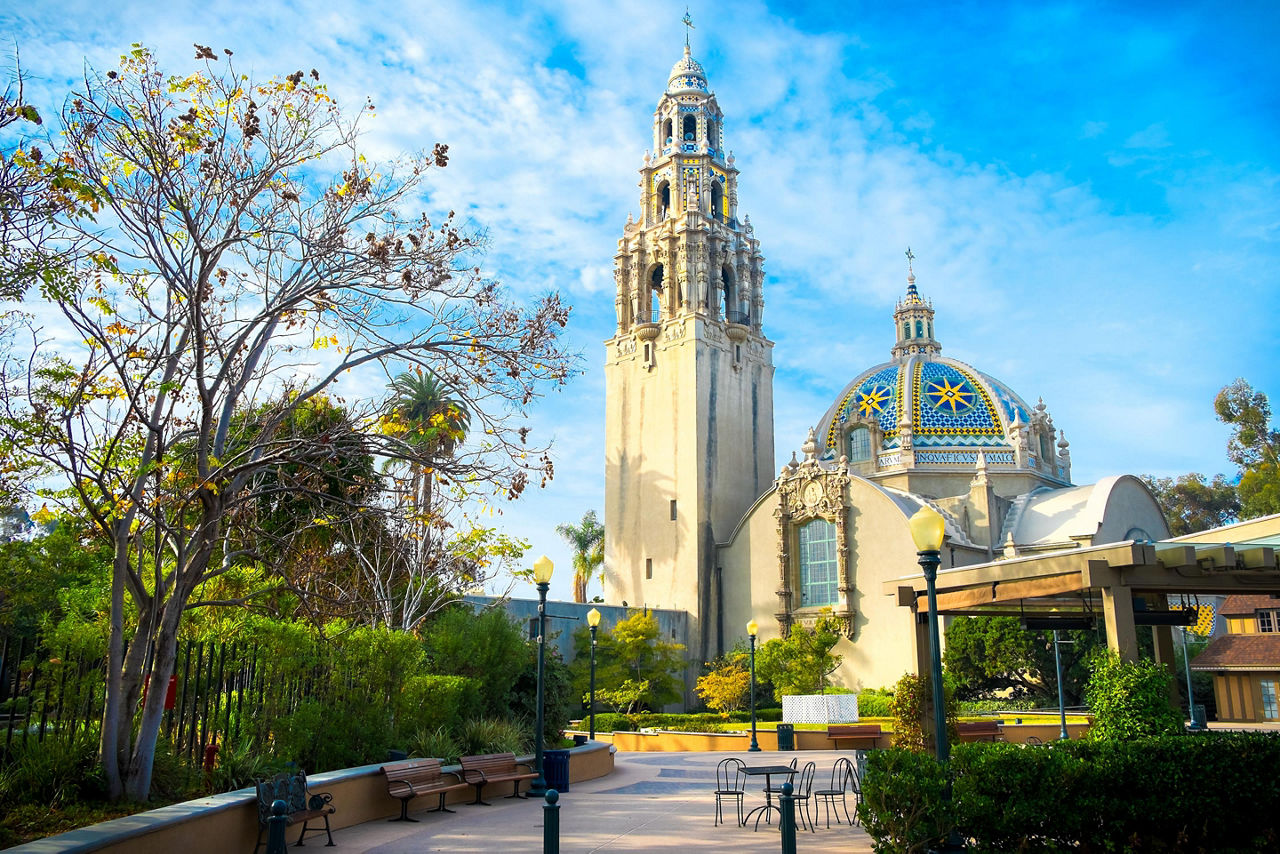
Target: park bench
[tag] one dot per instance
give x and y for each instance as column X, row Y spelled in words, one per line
column 980, row 730
column 300, row 805
column 860, row 734
column 479, row 771
column 410, row 778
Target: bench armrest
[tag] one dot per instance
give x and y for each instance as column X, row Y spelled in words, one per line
column 468, row 772
column 319, row 800
column 525, row 764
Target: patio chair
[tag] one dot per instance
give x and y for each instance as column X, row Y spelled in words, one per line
column 843, row 779
column 803, row 789
column 731, row 784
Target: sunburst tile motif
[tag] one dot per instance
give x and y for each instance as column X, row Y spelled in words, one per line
column 874, row 397
column 949, row 402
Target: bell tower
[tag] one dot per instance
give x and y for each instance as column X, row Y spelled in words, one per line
column 688, row 372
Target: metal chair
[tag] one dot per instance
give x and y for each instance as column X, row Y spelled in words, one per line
column 843, row 778
column 800, row 794
column 731, row 783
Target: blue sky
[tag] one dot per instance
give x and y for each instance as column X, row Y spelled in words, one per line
column 1092, row 191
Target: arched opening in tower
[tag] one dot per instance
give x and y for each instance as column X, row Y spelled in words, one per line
column 664, row 199
column 666, row 132
column 690, row 128
column 655, row 294
column 711, row 135
column 731, row 310
column 717, row 200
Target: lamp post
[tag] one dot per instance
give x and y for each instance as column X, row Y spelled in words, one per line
column 542, row 568
column 1062, row 708
column 927, row 530
column 1196, row 723
column 752, row 628
column 593, row 620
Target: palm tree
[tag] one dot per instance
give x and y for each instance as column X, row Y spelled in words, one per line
column 435, row 421
column 587, row 539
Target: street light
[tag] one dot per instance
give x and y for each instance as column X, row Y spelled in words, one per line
column 1196, row 724
column 593, row 620
column 752, row 628
column 542, row 568
column 1062, row 708
column 927, row 530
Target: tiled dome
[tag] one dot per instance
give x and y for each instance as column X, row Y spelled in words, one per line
column 951, row 405
column 687, row 76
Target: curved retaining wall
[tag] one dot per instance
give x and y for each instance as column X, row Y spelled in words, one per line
column 229, row 822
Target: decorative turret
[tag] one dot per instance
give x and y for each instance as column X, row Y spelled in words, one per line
column 688, row 253
column 913, row 317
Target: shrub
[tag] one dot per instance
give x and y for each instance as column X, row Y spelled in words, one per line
column 614, row 722
column 53, row 772
column 439, row 743
column 904, row 806
column 1129, row 699
column 240, row 764
column 430, row 702
column 911, row 698
column 874, row 704
column 494, row 735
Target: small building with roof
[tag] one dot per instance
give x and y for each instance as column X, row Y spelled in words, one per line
column 1245, row 661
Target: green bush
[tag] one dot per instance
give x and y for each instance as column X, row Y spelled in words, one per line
column 904, row 806
column 874, row 704
column 429, row 702
column 494, row 735
column 1129, row 699
column 911, row 697
column 52, row 772
column 439, row 743
column 1215, row 792
column 614, row 722
column 240, row 764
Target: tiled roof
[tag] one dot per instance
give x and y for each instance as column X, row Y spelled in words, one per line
column 1241, row 605
column 1240, row 652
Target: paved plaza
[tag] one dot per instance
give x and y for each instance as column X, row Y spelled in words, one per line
column 652, row 802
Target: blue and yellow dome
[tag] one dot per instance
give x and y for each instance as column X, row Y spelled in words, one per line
column 948, row 403
column 687, row 76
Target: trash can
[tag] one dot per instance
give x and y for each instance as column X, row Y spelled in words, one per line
column 555, row 769
column 786, row 737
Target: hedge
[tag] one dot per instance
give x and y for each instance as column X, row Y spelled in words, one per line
column 1212, row 792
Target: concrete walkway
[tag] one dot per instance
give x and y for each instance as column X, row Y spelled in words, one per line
column 652, row 802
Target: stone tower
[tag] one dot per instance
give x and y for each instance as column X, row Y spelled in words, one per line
column 688, row 373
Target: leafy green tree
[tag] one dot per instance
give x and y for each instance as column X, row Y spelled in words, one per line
column 1129, row 699
column 587, row 539
column 1254, row 446
column 224, row 262
column 634, row 651
column 1192, row 503
column 996, row 657
column 801, row 662
column 63, row 573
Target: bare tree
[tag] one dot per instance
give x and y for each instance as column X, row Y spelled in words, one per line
column 246, row 259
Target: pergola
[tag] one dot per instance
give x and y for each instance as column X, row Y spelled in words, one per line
column 1128, row 584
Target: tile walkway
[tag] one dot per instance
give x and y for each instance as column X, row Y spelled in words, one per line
column 659, row 802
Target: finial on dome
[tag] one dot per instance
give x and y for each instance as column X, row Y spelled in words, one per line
column 688, row 23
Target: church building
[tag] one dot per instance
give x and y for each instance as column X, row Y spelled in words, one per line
column 698, row 518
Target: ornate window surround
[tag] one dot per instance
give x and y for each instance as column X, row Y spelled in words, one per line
column 807, row 491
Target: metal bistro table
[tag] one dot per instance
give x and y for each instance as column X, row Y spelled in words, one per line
column 766, row 771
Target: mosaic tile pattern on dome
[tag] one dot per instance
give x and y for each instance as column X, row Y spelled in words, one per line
column 947, row 402
column 874, row 397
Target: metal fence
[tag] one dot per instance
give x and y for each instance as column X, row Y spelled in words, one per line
column 219, row 691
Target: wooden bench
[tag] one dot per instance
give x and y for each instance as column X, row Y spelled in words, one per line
column 478, row 771
column 980, row 730
column 410, row 778
column 301, row 805
column 864, row 734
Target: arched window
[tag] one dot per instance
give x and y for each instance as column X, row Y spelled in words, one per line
column 906, row 330
column 819, row 576
column 731, row 312
column 930, row 328
column 666, row 132
column 1046, row 448
column 717, row 200
column 859, row 445
column 919, row 328
column 690, row 129
column 655, row 294
column 711, row 134
column 664, row 199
